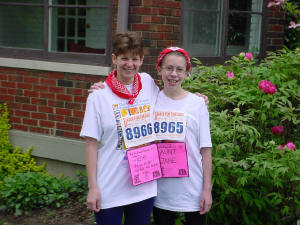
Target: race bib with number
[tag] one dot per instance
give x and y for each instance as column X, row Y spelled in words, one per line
column 137, row 128
column 144, row 164
column 169, row 126
column 173, row 159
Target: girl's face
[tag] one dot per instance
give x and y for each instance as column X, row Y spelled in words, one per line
column 127, row 66
column 173, row 71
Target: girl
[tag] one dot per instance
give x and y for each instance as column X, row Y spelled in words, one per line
column 191, row 195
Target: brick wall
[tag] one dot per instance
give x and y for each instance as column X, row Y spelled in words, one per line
column 49, row 103
column 158, row 22
column 275, row 29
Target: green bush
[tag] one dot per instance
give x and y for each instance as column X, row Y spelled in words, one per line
column 255, row 181
column 13, row 161
column 26, row 191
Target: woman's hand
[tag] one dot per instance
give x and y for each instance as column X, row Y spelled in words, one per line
column 93, row 199
column 96, row 86
column 205, row 201
column 204, row 97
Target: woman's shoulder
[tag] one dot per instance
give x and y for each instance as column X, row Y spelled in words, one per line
column 146, row 76
column 195, row 99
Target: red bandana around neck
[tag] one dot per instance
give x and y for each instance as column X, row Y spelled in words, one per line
column 119, row 89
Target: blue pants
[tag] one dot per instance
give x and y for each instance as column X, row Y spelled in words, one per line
column 135, row 214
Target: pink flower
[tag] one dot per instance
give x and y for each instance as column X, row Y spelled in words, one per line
column 294, row 25
column 280, row 147
column 230, row 74
column 277, row 130
column 267, row 87
column 276, row 2
column 249, row 55
column 291, row 146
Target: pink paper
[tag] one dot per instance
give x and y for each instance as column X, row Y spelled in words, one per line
column 173, row 159
column 144, row 164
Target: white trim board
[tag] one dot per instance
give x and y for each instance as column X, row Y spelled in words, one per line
column 50, row 147
column 54, row 66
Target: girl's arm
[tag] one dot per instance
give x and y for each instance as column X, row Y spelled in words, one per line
column 91, row 155
column 206, row 197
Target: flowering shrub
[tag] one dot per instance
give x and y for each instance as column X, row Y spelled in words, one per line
column 254, row 182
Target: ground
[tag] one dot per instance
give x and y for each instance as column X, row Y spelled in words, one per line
column 73, row 213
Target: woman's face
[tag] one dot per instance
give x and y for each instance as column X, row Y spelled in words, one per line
column 173, row 71
column 127, row 65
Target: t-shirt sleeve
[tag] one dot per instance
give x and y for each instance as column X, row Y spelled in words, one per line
column 204, row 131
column 91, row 126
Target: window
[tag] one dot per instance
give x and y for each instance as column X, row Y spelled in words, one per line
column 75, row 31
column 217, row 29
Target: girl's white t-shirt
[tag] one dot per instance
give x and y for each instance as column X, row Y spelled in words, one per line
column 183, row 194
column 113, row 174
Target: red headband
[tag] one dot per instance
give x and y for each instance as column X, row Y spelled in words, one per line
column 174, row 49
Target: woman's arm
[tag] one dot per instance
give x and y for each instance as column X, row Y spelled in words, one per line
column 206, row 197
column 91, row 152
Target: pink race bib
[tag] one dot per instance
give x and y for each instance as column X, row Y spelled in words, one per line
column 144, row 164
column 173, row 159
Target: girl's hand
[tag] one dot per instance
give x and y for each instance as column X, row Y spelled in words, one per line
column 93, row 199
column 205, row 201
column 96, row 86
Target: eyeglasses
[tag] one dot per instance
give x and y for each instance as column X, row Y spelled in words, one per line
column 170, row 69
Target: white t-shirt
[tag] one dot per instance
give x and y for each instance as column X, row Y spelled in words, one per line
column 183, row 194
column 113, row 174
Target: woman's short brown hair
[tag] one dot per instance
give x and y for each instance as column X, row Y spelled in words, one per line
column 127, row 41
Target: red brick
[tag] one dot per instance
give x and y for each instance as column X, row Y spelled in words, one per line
column 45, row 123
column 47, row 95
column 8, row 84
column 22, row 113
column 73, row 120
column 66, row 112
column 15, row 78
column 74, row 91
column 176, row 12
column 79, row 114
column 3, row 77
column 30, row 122
column 164, row 11
column 39, row 130
column 3, row 91
column 64, row 126
column 22, row 99
column 14, row 119
column 36, row 115
column 56, row 75
column 31, row 80
column 164, row 28
column 59, row 104
column 140, row 27
column 71, row 135
column 7, row 98
column 56, row 89
column 23, row 72
column 45, row 81
column 30, row 93
column 55, row 117
column 7, row 70
column 40, row 88
column 80, row 99
column 77, row 128
column 63, row 97
column 276, row 27
column 72, row 105
column 145, row 11
column 146, row 19
column 157, row 36
column 45, row 109
column 19, row 127
column 29, row 107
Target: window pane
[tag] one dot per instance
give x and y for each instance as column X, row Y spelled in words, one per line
column 202, row 29
column 243, row 33
column 249, row 5
column 21, row 26
column 202, row 4
column 85, row 32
